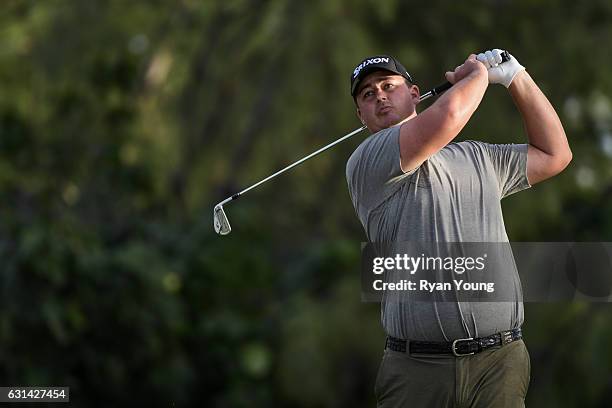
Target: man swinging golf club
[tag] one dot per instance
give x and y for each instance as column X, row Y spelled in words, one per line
column 409, row 181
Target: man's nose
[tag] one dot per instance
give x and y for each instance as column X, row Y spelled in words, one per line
column 381, row 95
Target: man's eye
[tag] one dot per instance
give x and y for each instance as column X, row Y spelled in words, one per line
column 388, row 86
column 367, row 94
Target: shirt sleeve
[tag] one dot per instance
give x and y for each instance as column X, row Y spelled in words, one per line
column 510, row 164
column 373, row 172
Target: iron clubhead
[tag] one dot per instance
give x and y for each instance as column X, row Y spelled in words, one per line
column 220, row 221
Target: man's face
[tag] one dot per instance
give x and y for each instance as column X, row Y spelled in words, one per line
column 385, row 99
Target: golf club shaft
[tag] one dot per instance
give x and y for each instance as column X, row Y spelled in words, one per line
column 302, row 160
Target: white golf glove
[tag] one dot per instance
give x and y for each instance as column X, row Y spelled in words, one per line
column 500, row 72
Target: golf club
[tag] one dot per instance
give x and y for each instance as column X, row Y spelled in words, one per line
column 220, row 221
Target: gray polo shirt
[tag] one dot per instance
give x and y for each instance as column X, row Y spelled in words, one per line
column 454, row 196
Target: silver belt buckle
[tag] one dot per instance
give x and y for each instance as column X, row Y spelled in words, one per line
column 454, row 350
column 506, row 337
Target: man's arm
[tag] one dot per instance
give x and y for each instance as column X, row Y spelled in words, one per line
column 428, row 132
column 549, row 152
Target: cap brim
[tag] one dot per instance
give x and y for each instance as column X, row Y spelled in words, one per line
column 367, row 71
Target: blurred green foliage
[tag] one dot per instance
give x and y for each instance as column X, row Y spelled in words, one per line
column 123, row 123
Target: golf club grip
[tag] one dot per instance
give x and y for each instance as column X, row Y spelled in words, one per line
column 445, row 86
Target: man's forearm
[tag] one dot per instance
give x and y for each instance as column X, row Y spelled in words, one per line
column 466, row 94
column 544, row 129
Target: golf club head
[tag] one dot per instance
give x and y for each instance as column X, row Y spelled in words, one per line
column 220, row 221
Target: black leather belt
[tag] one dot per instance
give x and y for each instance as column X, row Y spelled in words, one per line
column 459, row 347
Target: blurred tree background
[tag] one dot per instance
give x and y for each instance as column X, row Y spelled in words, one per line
column 123, row 123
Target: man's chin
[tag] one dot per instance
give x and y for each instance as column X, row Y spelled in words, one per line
column 386, row 122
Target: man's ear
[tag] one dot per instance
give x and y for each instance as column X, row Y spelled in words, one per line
column 415, row 92
column 360, row 117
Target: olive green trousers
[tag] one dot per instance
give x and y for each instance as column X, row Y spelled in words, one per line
column 496, row 377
